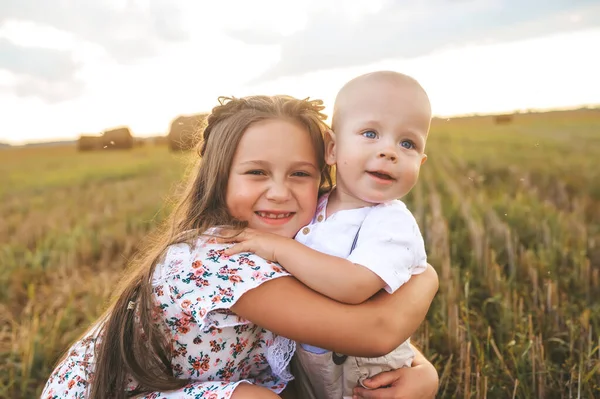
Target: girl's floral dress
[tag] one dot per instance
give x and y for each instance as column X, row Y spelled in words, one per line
column 194, row 288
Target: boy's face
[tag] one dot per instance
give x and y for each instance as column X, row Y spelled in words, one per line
column 379, row 142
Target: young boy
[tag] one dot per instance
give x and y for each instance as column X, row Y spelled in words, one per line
column 362, row 238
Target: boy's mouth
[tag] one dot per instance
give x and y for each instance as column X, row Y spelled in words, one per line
column 381, row 175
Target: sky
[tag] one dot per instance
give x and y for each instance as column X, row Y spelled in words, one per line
column 71, row 67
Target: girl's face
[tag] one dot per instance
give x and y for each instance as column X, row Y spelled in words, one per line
column 274, row 179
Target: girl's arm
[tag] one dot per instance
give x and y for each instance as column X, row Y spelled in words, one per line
column 373, row 328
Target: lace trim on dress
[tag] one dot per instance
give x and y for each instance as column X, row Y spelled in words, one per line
column 279, row 356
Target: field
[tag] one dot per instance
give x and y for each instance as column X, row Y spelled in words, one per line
column 510, row 214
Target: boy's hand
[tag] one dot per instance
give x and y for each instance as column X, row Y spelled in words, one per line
column 259, row 243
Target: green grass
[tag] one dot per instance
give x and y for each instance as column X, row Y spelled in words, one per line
column 510, row 214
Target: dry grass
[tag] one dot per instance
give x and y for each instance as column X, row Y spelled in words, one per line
column 511, row 216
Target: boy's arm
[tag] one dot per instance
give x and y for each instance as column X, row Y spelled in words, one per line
column 388, row 247
column 334, row 277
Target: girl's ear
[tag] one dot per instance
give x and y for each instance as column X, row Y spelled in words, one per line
column 330, row 148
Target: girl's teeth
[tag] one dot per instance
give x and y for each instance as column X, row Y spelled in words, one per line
column 273, row 215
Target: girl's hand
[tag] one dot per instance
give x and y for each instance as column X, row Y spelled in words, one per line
column 417, row 382
column 254, row 241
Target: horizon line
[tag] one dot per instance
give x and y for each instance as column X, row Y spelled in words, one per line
column 591, row 106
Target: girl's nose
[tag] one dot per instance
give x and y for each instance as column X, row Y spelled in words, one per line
column 278, row 192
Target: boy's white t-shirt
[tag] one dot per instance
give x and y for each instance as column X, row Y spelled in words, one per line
column 389, row 242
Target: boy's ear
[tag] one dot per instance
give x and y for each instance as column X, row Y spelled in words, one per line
column 423, row 159
column 330, row 148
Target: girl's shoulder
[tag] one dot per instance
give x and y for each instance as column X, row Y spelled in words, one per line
column 205, row 255
column 197, row 280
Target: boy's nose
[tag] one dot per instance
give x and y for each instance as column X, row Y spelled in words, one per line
column 389, row 155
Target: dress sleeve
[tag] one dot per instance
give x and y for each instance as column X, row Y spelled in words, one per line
column 205, row 283
column 390, row 244
column 199, row 285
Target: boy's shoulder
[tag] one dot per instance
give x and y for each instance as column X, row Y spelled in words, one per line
column 392, row 207
column 391, row 212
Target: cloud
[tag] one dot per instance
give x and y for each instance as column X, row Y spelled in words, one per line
column 46, row 63
column 47, row 73
column 409, row 29
column 126, row 32
column 50, row 91
column 256, row 37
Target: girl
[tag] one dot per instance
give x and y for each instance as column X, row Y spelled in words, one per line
column 190, row 322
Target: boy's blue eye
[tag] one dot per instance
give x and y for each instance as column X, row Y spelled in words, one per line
column 370, row 134
column 409, row 145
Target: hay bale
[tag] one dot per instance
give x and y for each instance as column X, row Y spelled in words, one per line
column 118, row 139
column 503, row 119
column 89, row 143
column 185, row 132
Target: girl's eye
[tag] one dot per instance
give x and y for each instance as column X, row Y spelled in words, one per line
column 301, row 174
column 370, row 134
column 255, row 172
column 409, row 145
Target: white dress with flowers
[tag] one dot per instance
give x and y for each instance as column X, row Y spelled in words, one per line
column 194, row 288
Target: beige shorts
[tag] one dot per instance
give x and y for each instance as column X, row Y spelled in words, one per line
column 318, row 377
